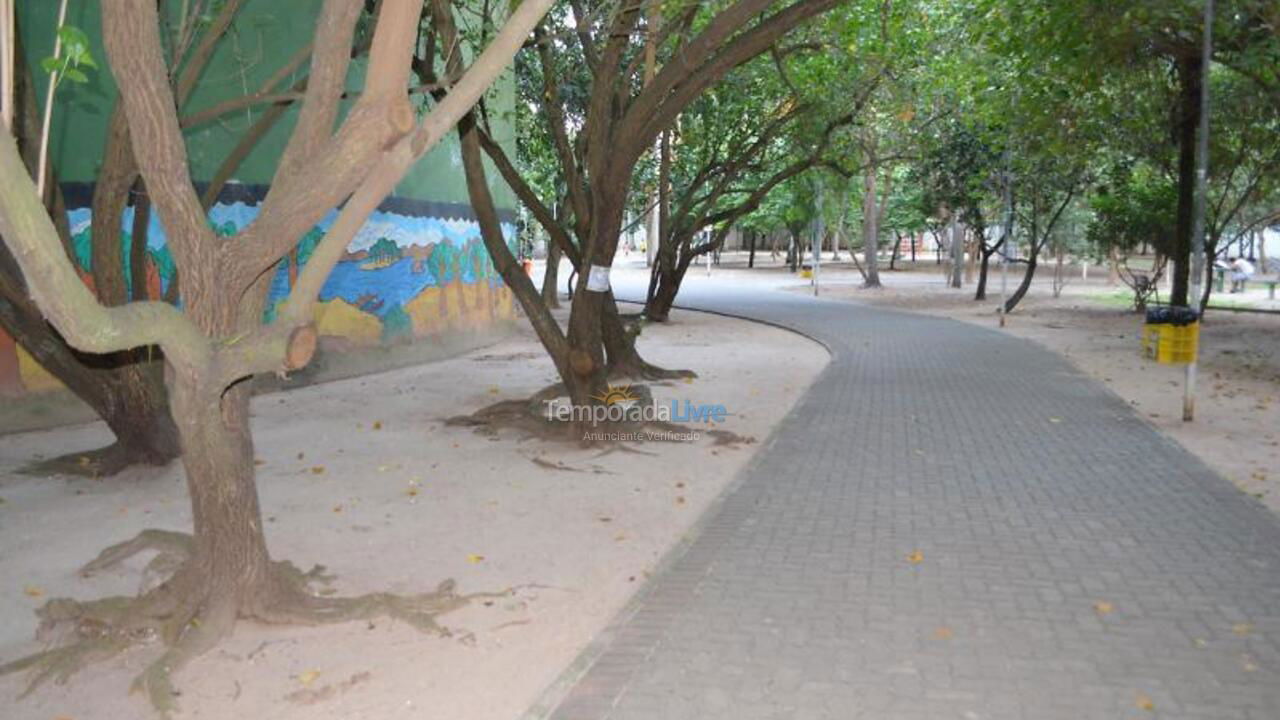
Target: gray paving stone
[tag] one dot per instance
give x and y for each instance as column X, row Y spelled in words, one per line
column 796, row 599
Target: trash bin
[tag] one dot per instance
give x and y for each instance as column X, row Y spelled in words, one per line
column 1171, row 335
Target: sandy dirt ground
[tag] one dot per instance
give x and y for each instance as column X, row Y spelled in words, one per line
column 1237, row 426
column 362, row 476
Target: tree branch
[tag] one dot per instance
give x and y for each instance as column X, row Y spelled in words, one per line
column 64, row 299
column 131, row 33
column 377, row 184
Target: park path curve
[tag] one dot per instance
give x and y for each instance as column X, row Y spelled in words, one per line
column 1072, row 561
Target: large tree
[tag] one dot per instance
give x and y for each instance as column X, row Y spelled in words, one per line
column 217, row 340
column 601, row 117
column 126, row 389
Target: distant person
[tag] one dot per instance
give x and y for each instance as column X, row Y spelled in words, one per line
column 1241, row 271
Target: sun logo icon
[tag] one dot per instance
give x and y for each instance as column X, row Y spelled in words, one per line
column 620, row 395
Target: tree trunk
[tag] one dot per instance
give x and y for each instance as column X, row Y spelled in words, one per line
column 138, row 243
column 1025, row 285
column 970, row 265
column 229, row 554
column 659, row 306
column 871, row 230
column 897, row 249
column 531, row 302
column 751, row 256
column 1190, row 76
column 125, row 389
column 587, row 378
column 1057, row 272
column 957, row 252
column 981, row 293
column 550, row 277
column 126, row 393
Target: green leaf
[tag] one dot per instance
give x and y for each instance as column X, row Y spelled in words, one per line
column 50, row 64
column 75, row 75
column 73, row 37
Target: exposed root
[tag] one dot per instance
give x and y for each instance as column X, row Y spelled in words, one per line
column 625, row 449
column 641, row 370
column 531, row 418
column 196, row 636
column 296, row 606
column 563, row 467
column 189, row 615
column 525, row 416
column 60, row 663
column 172, row 551
column 93, row 464
column 165, row 542
column 724, row 438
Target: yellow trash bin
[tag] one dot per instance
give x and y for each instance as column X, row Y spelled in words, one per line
column 1171, row 335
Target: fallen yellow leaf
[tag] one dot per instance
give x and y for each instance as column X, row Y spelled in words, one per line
column 1103, row 607
column 475, row 559
column 943, row 633
column 1055, row 420
column 377, row 425
column 308, row 677
column 317, row 470
column 1242, row 629
column 33, row 591
column 915, row 558
column 1144, row 703
column 493, row 391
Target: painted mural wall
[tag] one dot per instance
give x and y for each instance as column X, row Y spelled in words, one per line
column 417, row 271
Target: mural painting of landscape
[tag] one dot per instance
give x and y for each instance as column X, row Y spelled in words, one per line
column 415, row 271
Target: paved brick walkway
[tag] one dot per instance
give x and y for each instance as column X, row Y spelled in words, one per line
column 1032, row 495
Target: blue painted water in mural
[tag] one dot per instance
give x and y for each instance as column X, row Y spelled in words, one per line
column 374, row 291
column 386, row 265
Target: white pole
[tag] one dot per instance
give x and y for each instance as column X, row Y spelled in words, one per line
column 43, row 166
column 7, row 60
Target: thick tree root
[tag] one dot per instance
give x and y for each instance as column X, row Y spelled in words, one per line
column 172, row 551
column 641, row 370
column 189, row 615
column 530, row 417
column 94, row 464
